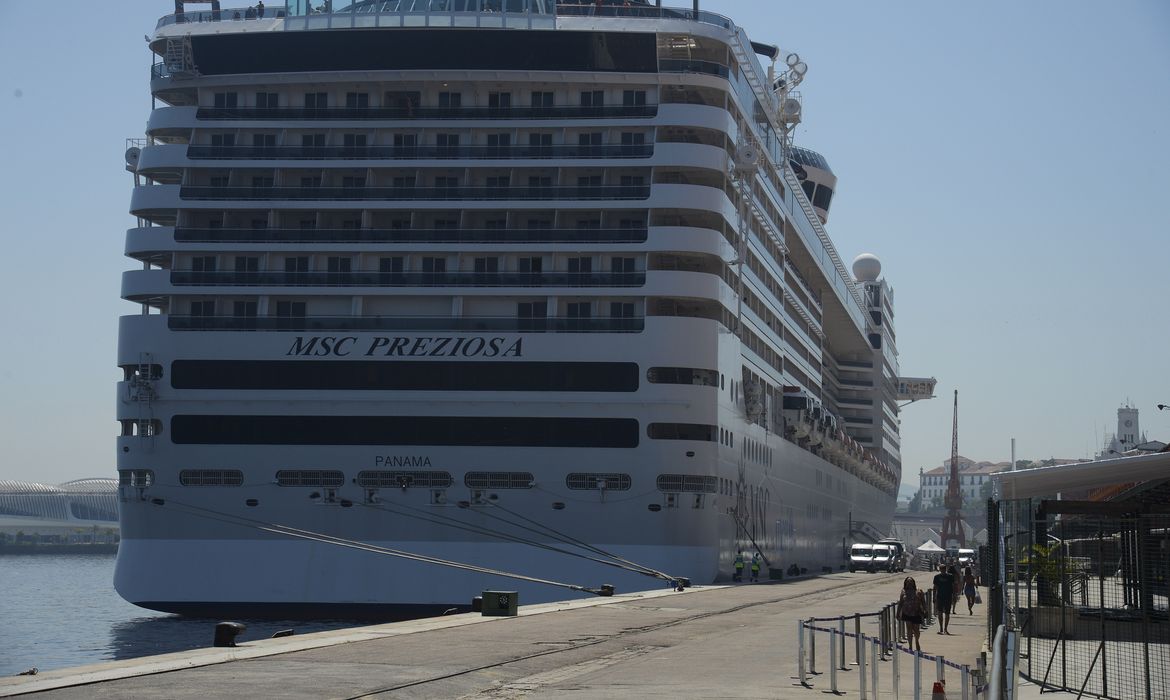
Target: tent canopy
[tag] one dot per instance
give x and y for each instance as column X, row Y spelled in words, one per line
column 930, row 546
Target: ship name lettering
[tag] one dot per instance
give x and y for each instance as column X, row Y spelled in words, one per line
column 400, row 346
column 401, row 461
column 445, row 346
column 321, row 346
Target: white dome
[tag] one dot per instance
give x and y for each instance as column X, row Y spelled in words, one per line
column 866, row 267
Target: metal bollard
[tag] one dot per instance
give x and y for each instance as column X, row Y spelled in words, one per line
column 857, row 639
column 873, row 667
column 965, row 674
column 917, row 675
column 861, row 672
column 940, row 671
column 841, row 628
column 895, row 667
column 812, row 648
column 800, row 653
column 833, row 661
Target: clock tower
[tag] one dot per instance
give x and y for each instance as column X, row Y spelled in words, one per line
column 1127, row 427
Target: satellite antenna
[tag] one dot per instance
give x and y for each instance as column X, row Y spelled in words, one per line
column 132, row 155
column 747, row 157
column 790, row 111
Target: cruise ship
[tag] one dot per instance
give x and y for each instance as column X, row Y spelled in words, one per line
column 438, row 297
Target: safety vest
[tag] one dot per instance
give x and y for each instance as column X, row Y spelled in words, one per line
column 756, row 563
column 739, row 561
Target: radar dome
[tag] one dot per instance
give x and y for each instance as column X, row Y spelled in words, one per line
column 866, row 267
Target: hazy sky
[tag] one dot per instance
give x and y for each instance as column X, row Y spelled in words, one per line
column 1005, row 160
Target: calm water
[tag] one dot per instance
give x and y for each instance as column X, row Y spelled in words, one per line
column 60, row 610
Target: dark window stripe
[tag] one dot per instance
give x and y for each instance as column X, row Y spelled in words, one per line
column 466, row 431
column 404, row 376
column 426, row 49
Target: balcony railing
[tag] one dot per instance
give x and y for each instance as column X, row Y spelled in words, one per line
column 400, row 113
column 418, row 152
column 672, row 65
column 285, row 235
column 596, row 192
column 556, row 324
column 407, row 279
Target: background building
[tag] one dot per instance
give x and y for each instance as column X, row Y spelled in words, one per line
column 76, row 512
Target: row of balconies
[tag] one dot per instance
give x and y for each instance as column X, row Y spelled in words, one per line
column 455, row 324
column 179, row 121
column 142, row 285
column 425, row 152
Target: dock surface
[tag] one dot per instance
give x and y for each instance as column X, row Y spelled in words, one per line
column 735, row 641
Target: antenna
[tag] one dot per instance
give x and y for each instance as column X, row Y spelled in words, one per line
column 132, row 155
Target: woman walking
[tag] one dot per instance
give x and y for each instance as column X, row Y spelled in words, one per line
column 911, row 608
column 954, row 571
column 969, row 589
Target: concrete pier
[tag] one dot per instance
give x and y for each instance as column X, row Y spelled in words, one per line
column 720, row 641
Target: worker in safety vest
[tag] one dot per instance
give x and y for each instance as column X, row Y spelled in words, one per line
column 738, row 576
column 756, row 566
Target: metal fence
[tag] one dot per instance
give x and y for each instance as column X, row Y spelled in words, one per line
column 1085, row 584
column 880, row 663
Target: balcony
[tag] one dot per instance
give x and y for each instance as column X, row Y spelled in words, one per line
column 407, row 279
column 286, row 235
column 418, row 152
column 555, row 324
column 428, row 113
column 598, row 192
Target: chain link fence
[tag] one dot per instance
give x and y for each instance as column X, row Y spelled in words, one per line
column 1085, row 584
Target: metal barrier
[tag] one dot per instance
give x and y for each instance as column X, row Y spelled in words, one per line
column 871, row 652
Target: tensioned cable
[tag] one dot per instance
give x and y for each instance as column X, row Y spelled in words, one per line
column 568, row 539
column 547, row 531
column 439, row 519
column 353, row 544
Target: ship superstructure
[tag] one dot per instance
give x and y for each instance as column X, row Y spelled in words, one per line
column 474, row 281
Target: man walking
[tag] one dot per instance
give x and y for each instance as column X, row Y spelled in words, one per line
column 756, row 566
column 738, row 576
column 944, row 597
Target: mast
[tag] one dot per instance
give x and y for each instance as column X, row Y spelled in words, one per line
column 952, row 527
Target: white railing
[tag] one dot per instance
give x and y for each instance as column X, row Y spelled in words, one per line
column 872, row 653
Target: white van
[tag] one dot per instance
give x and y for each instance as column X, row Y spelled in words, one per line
column 883, row 558
column 900, row 555
column 966, row 557
column 861, row 557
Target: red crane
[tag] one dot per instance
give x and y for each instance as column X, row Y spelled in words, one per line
column 952, row 527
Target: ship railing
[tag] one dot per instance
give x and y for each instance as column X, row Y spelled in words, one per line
column 298, row 13
column 417, row 112
column 419, row 152
column 674, row 65
column 597, row 192
column 407, row 279
column 287, row 235
column 465, row 324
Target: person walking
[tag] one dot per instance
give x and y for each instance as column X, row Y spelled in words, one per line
column 944, row 593
column 911, row 608
column 969, row 589
column 755, row 567
column 738, row 575
column 954, row 571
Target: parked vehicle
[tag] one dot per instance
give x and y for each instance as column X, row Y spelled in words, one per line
column 900, row 556
column 861, row 557
column 883, row 558
column 966, row 557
